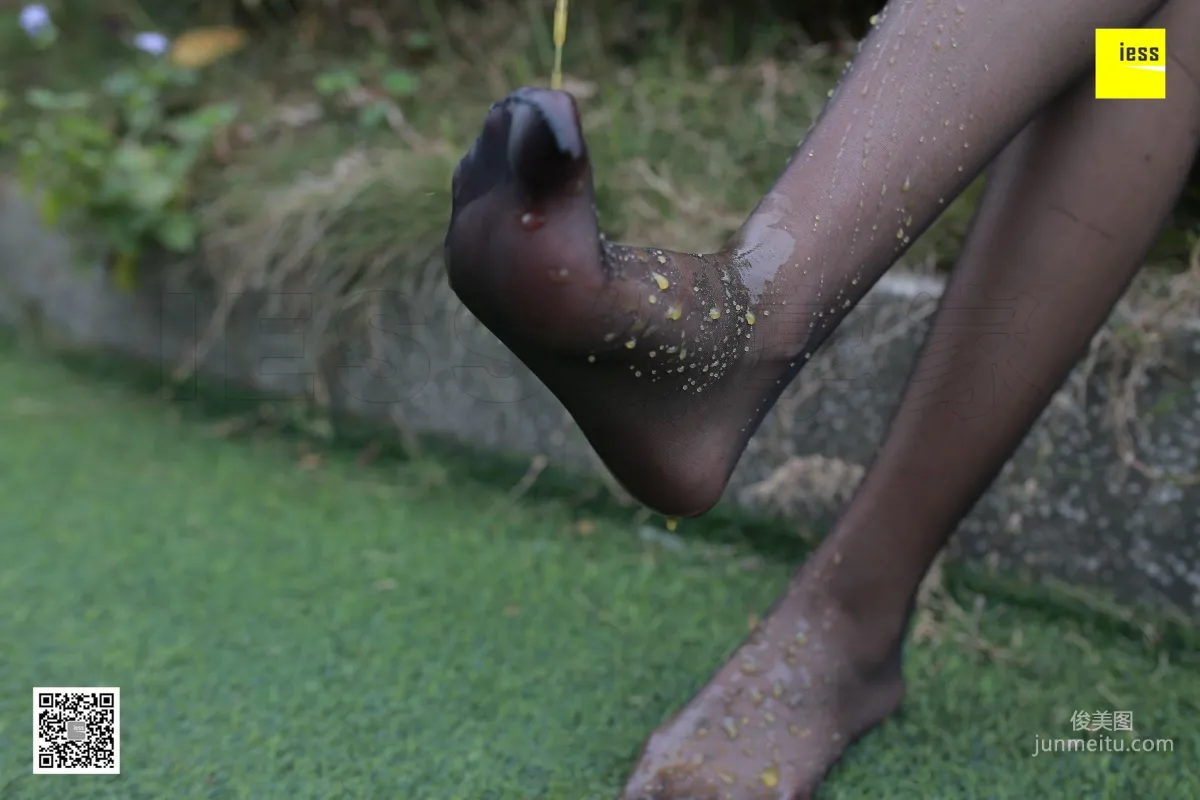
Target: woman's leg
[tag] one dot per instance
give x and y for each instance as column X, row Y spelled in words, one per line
column 1071, row 208
column 669, row 361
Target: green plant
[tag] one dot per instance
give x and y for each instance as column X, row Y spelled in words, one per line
column 372, row 92
column 116, row 158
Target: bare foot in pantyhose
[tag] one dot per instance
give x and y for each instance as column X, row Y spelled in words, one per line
column 807, row 682
column 667, row 361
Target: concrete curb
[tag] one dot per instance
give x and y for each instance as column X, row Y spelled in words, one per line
column 1065, row 509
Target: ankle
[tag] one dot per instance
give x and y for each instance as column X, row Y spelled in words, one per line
column 796, row 299
column 874, row 613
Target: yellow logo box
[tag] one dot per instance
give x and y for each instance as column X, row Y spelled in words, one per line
column 1131, row 63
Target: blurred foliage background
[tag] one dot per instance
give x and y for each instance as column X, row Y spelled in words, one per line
column 355, row 111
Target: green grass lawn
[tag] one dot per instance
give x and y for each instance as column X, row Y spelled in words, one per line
column 287, row 629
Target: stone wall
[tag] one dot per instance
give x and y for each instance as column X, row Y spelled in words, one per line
column 1067, row 508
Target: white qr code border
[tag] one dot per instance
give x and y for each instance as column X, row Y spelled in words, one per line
column 40, row 695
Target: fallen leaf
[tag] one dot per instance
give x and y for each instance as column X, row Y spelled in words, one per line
column 200, row 47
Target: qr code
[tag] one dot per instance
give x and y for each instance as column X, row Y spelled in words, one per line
column 77, row 731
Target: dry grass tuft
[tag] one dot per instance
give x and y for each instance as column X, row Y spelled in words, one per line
column 331, row 239
column 1134, row 346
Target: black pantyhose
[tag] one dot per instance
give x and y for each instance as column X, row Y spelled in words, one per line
column 669, row 390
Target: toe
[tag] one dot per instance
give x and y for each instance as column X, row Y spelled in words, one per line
column 531, row 150
column 546, row 151
column 558, row 112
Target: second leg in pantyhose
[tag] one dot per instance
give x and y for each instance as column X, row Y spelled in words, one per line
column 669, row 361
column 1070, row 210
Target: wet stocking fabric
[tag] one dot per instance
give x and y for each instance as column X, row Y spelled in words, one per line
column 668, row 361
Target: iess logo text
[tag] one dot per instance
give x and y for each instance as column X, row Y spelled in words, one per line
column 1131, row 63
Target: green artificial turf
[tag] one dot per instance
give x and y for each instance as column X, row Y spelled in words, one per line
column 285, row 629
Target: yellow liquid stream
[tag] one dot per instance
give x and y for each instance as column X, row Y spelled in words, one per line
column 560, row 36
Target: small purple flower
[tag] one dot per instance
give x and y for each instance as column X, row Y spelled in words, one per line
column 153, row 43
column 35, row 19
